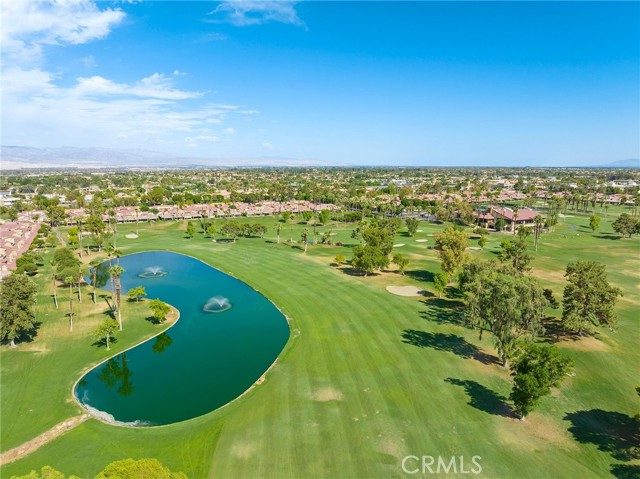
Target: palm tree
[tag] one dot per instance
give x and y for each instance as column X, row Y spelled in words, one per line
column 278, row 229
column 95, row 262
column 538, row 221
column 304, row 237
column 79, row 226
column 70, row 280
column 53, row 279
column 115, row 272
column 82, row 272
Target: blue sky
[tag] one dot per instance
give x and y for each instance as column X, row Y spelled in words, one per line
column 404, row 83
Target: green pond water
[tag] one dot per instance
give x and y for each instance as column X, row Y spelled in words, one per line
column 227, row 337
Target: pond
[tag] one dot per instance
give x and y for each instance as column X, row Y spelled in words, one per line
column 227, row 337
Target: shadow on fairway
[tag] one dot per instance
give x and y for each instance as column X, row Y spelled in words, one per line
column 625, row 471
column 355, row 272
column 611, row 431
column 420, row 275
column 444, row 311
column 609, row 237
column 447, row 342
column 483, row 398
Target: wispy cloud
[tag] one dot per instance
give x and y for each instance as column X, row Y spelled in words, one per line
column 154, row 86
column 42, row 108
column 27, row 26
column 243, row 13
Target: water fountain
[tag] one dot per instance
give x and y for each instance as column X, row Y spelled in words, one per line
column 153, row 272
column 216, row 304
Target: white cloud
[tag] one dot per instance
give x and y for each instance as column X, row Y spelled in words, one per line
column 193, row 139
column 89, row 61
column 267, row 145
column 27, row 26
column 247, row 12
column 37, row 110
column 229, row 131
column 154, row 86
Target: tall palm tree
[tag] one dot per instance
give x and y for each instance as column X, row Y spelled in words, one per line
column 53, row 279
column 70, row 280
column 278, row 228
column 94, row 275
column 539, row 222
column 304, row 237
column 116, row 271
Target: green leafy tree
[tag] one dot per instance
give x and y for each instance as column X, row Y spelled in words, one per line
column 17, row 301
column 588, row 299
column 26, row 264
column 107, row 331
column 211, row 231
column 147, row 468
column 159, row 310
column 191, row 229
column 401, row 260
column 369, row 258
column 626, row 225
column 451, row 246
column 231, row 228
column 482, row 242
column 56, row 215
column 323, row 216
column 594, row 222
column 440, row 281
column 137, row 293
column 340, row 259
column 535, row 372
column 510, row 306
column 500, row 224
column 47, row 472
column 515, row 252
column 412, row 225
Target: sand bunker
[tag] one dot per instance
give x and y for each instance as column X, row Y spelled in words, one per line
column 421, row 241
column 398, row 245
column 327, row 394
column 405, row 290
column 131, row 236
column 474, row 248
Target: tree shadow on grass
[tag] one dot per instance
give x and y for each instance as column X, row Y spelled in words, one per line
column 26, row 336
column 420, row 275
column 611, row 431
column 351, row 271
column 483, row 398
column 153, row 320
column 555, row 331
column 102, row 342
column 447, row 342
column 625, row 471
column 443, row 311
column 608, row 237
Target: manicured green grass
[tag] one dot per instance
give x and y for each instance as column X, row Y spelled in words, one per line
column 367, row 377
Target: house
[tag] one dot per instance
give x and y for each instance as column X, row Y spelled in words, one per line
column 513, row 218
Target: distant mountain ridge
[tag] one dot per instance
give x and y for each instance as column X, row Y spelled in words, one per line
column 630, row 163
column 19, row 157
